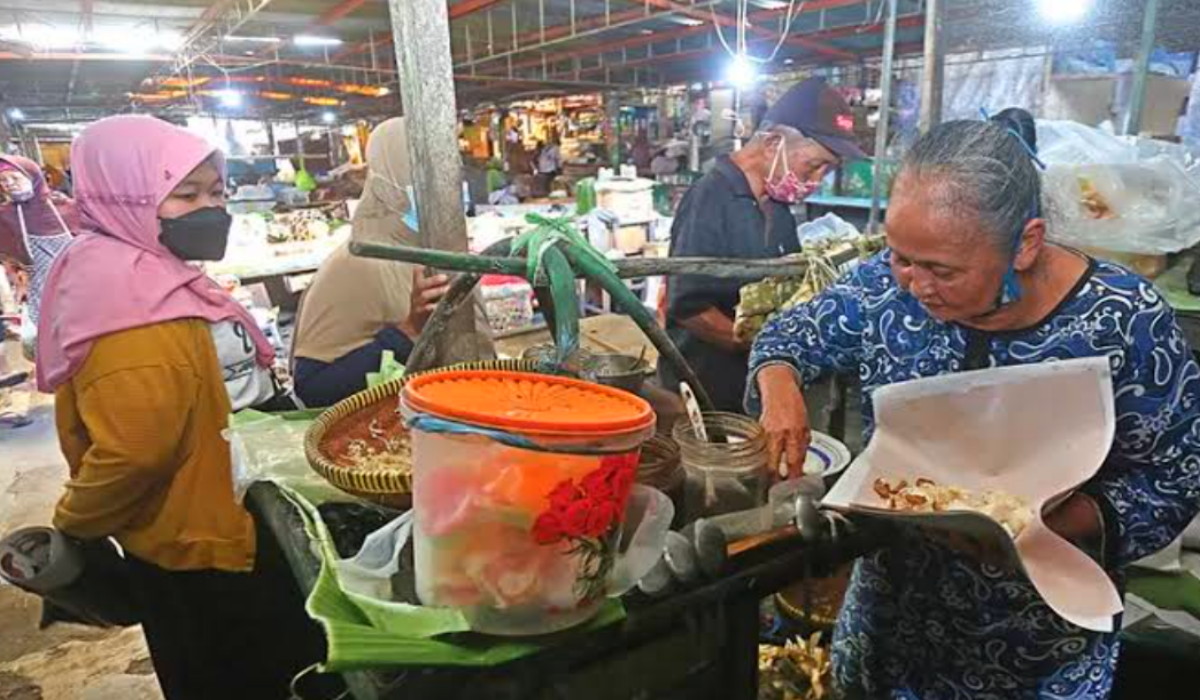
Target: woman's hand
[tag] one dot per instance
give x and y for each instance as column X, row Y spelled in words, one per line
column 426, row 293
column 1076, row 520
column 785, row 419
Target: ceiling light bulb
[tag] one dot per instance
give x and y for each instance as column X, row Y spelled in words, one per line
column 16, row 114
column 230, row 98
column 741, row 72
column 1064, row 11
column 328, row 117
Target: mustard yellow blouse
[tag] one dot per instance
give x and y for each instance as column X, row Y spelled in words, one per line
column 140, row 424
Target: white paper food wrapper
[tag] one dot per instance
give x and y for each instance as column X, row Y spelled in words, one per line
column 1035, row 431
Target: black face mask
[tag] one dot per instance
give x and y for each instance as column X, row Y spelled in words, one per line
column 199, row 235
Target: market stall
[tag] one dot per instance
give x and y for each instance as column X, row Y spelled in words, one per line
column 282, row 249
column 552, row 523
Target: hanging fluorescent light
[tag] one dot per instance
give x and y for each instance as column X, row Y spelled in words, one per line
column 741, row 72
column 687, row 21
column 229, row 98
column 43, row 36
column 1064, row 11
column 16, row 114
column 309, row 40
column 136, row 40
column 254, row 39
column 771, row 4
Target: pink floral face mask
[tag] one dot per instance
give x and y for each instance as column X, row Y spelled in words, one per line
column 788, row 189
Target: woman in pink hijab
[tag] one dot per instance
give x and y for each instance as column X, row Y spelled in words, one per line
column 35, row 227
column 147, row 358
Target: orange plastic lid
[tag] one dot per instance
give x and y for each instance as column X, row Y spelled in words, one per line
column 525, row 402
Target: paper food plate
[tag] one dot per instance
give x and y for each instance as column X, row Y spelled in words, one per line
column 1035, row 431
column 826, row 455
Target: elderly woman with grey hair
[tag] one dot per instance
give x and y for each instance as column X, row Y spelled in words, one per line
column 969, row 281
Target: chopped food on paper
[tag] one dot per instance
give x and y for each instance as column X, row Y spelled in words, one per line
column 926, row 496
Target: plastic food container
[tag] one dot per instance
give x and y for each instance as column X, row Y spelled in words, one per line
column 724, row 476
column 520, row 483
column 508, row 302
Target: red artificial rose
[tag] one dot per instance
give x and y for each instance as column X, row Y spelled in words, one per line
column 548, row 528
column 622, row 482
column 597, row 485
column 562, row 495
column 575, row 520
column 601, row 519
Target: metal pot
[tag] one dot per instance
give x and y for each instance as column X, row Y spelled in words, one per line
column 620, row 371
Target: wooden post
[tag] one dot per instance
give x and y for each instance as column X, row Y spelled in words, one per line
column 933, row 73
column 421, row 35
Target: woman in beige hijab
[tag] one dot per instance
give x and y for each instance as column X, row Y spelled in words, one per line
column 356, row 308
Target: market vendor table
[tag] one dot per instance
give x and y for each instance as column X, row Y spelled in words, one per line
column 696, row 644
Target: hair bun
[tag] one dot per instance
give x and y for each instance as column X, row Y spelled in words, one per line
column 1021, row 122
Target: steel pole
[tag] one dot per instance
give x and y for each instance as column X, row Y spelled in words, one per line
column 933, row 72
column 1141, row 70
column 885, row 112
column 421, row 35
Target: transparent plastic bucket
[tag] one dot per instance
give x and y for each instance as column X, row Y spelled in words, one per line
column 520, row 537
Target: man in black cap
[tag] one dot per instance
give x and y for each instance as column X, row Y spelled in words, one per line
column 742, row 209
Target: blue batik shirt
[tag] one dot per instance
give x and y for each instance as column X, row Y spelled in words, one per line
column 923, row 621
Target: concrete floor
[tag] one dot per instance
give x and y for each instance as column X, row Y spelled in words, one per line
column 64, row 662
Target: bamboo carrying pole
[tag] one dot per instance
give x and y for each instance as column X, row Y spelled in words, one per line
column 473, row 267
column 632, row 268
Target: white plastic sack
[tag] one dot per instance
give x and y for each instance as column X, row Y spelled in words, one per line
column 1062, row 142
column 829, row 227
column 1146, row 190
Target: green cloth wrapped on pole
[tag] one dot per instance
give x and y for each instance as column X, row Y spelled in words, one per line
column 585, row 196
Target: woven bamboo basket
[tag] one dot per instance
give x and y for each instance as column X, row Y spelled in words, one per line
column 389, row 487
column 825, row 601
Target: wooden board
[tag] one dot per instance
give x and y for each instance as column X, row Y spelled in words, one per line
column 608, row 333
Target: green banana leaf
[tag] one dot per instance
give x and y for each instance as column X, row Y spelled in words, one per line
column 365, row 633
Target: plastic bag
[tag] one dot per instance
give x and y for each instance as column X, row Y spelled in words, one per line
column 389, row 369
column 370, row 571
column 1118, row 193
column 830, row 227
column 268, row 447
column 648, row 518
column 1072, row 143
